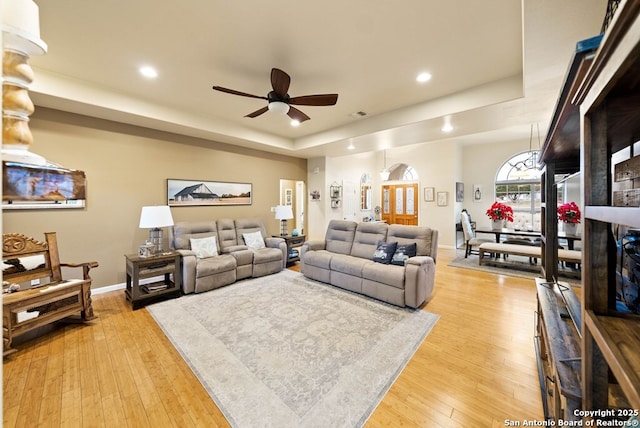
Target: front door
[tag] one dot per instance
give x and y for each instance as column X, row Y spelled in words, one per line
column 400, row 204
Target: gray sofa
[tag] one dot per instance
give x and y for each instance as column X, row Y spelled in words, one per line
column 344, row 259
column 235, row 260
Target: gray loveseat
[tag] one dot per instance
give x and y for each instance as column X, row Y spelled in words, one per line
column 234, row 261
column 345, row 259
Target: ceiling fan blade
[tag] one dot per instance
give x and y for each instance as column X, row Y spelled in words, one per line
column 258, row 112
column 234, row 92
column 280, row 82
column 315, row 100
column 296, row 114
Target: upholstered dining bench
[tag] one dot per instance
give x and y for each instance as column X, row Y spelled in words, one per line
column 489, row 248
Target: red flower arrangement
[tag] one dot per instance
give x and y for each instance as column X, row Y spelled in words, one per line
column 500, row 211
column 569, row 213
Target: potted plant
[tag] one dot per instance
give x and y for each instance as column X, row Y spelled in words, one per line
column 570, row 215
column 498, row 213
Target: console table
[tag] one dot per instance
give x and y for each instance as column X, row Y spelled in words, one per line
column 165, row 264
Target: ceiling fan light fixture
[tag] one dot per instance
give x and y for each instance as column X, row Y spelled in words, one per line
column 295, row 123
column 279, row 107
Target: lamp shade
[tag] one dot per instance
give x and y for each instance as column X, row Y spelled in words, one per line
column 155, row 216
column 284, row 212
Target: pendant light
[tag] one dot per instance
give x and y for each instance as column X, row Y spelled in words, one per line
column 384, row 174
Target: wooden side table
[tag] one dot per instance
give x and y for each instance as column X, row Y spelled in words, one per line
column 292, row 242
column 165, row 264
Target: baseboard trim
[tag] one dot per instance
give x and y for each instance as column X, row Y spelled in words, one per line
column 122, row 286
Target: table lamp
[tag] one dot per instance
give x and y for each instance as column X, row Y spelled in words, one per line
column 283, row 213
column 154, row 218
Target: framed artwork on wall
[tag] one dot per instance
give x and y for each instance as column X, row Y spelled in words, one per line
column 459, row 192
column 189, row 193
column 477, row 193
column 443, row 199
column 429, row 194
column 288, row 196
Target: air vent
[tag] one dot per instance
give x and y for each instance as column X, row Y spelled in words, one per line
column 358, row 114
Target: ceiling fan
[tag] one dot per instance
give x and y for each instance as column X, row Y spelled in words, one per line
column 280, row 101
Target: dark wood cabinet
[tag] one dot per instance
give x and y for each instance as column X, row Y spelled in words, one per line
column 595, row 132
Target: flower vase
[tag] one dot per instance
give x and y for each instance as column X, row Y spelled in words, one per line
column 496, row 224
column 570, row 228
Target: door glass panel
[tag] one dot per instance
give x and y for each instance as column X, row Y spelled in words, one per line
column 386, row 209
column 410, row 204
column 399, row 200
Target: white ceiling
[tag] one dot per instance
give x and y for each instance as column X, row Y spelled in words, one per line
column 369, row 52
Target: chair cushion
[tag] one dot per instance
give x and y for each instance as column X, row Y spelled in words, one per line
column 348, row 264
column 385, row 274
column 367, row 237
column 320, row 258
column 340, row 235
column 265, row 255
column 214, row 265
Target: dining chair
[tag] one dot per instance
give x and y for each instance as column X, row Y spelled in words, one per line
column 470, row 239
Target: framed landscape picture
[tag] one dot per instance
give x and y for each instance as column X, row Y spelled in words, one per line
column 185, row 193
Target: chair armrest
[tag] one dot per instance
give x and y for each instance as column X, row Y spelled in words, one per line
column 316, row 245
column 419, row 260
column 86, row 267
column 273, row 242
column 185, row 253
column 189, row 260
column 419, row 280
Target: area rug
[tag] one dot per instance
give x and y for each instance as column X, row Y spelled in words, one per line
column 286, row 351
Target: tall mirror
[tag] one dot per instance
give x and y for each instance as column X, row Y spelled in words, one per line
column 366, row 192
column 292, row 192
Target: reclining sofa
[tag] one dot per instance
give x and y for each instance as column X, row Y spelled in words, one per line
column 223, row 256
column 345, row 259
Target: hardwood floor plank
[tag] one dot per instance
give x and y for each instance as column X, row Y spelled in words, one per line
column 475, row 369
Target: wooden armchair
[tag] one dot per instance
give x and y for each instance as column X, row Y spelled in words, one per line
column 26, row 261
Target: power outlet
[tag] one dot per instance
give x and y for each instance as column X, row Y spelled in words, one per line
column 35, row 282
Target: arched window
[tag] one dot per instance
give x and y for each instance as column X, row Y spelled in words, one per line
column 403, row 172
column 518, row 185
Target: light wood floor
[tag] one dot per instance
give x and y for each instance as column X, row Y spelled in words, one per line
column 475, row 369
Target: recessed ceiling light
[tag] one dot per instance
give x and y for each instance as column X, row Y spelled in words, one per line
column 148, row 71
column 423, row 77
column 351, row 146
column 295, row 122
column 447, row 127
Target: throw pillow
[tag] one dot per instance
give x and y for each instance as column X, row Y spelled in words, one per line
column 254, row 240
column 204, row 247
column 403, row 252
column 384, row 252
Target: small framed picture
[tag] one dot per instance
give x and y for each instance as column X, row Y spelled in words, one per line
column 477, row 193
column 443, row 199
column 459, row 192
column 429, row 194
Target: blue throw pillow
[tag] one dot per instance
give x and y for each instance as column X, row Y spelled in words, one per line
column 402, row 253
column 384, row 252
